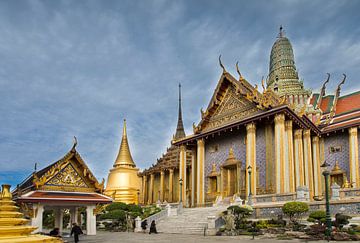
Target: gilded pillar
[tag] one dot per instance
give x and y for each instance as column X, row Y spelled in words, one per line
column 144, row 189
column 316, row 165
column 354, row 157
column 251, row 157
column 222, row 182
column 228, row 182
column 182, row 173
column 308, row 167
column 322, row 159
column 270, row 165
column 280, row 152
column 193, row 177
column 238, row 172
column 289, row 158
column 171, row 182
column 299, row 159
column 200, row 197
column 151, row 191
column 161, row 186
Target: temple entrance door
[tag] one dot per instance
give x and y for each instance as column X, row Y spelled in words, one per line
column 232, row 181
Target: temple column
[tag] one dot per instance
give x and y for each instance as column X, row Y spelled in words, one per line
column 193, row 177
column 151, row 187
column 222, row 182
column 73, row 215
column 238, row 172
column 299, row 159
column 229, row 181
column 280, row 153
column 200, row 197
column 171, row 183
column 354, row 157
column 316, row 165
column 251, row 157
column 59, row 219
column 144, row 188
column 37, row 220
column 308, row 167
column 90, row 220
column 322, row 159
column 289, row 158
column 182, row 173
column 161, row 186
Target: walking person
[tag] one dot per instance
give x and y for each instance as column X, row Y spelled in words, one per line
column 76, row 230
column 144, row 225
column 153, row 228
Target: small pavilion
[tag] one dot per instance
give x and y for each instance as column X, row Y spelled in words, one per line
column 67, row 184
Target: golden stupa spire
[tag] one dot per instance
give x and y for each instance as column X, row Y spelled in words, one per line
column 124, row 157
column 13, row 226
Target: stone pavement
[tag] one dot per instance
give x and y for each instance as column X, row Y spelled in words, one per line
column 107, row 237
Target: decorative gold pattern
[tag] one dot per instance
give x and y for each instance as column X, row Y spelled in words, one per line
column 67, row 177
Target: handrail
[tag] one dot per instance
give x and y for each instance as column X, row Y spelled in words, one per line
column 160, row 215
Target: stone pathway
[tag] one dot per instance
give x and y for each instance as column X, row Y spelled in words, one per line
column 107, row 237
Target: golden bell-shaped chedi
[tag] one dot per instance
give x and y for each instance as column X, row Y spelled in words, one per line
column 13, row 226
column 123, row 183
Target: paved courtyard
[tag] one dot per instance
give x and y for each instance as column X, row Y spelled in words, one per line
column 107, row 237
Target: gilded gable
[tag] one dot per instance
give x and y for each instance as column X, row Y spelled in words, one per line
column 232, row 107
column 68, row 177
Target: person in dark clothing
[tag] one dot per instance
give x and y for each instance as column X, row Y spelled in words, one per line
column 55, row 232
column 153, row 227
column 76, row 230
column 144, row 225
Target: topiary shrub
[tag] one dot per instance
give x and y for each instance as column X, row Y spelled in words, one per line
column 318, row 217
column 294, row 210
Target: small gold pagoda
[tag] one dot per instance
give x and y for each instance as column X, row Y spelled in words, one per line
column 123, row 183
column 13, row 226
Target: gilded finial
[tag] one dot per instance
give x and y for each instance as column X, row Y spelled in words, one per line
column 74, row 143
column 263, row 83
column 281, row 31
column 339, row 86
column 256, row 87
column 238, row 71
column 221, row 65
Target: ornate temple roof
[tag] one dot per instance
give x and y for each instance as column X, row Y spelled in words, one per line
column 283, row 77
column 171, row 159
column 69, row 173
column 180, row 132
column 337, row 112
column 124, row 157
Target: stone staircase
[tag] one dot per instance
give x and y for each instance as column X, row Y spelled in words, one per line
column 190, row 221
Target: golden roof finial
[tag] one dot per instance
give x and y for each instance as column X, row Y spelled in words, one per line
column 221, row 65
column 124, row 157
column 238, row 71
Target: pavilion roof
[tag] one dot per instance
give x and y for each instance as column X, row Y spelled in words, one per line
column 58, row 196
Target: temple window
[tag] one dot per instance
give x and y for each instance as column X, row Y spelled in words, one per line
column 335, row 149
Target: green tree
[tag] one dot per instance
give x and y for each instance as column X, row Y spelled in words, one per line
column 294, row 210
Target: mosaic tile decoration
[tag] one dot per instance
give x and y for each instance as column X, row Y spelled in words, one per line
column 338, row 139
column 223, row 143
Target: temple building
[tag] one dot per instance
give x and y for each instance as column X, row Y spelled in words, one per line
column 123, row 183
column 67, row 184
column 160, row 182
column 270, row 143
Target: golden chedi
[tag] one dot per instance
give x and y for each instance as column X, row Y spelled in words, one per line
column 123, row 183
column 13, row 226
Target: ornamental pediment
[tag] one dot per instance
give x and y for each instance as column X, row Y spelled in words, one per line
column 68, row 177
column 232, row 107
column 235, row 100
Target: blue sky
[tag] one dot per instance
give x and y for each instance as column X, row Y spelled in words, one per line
column 80, row 67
